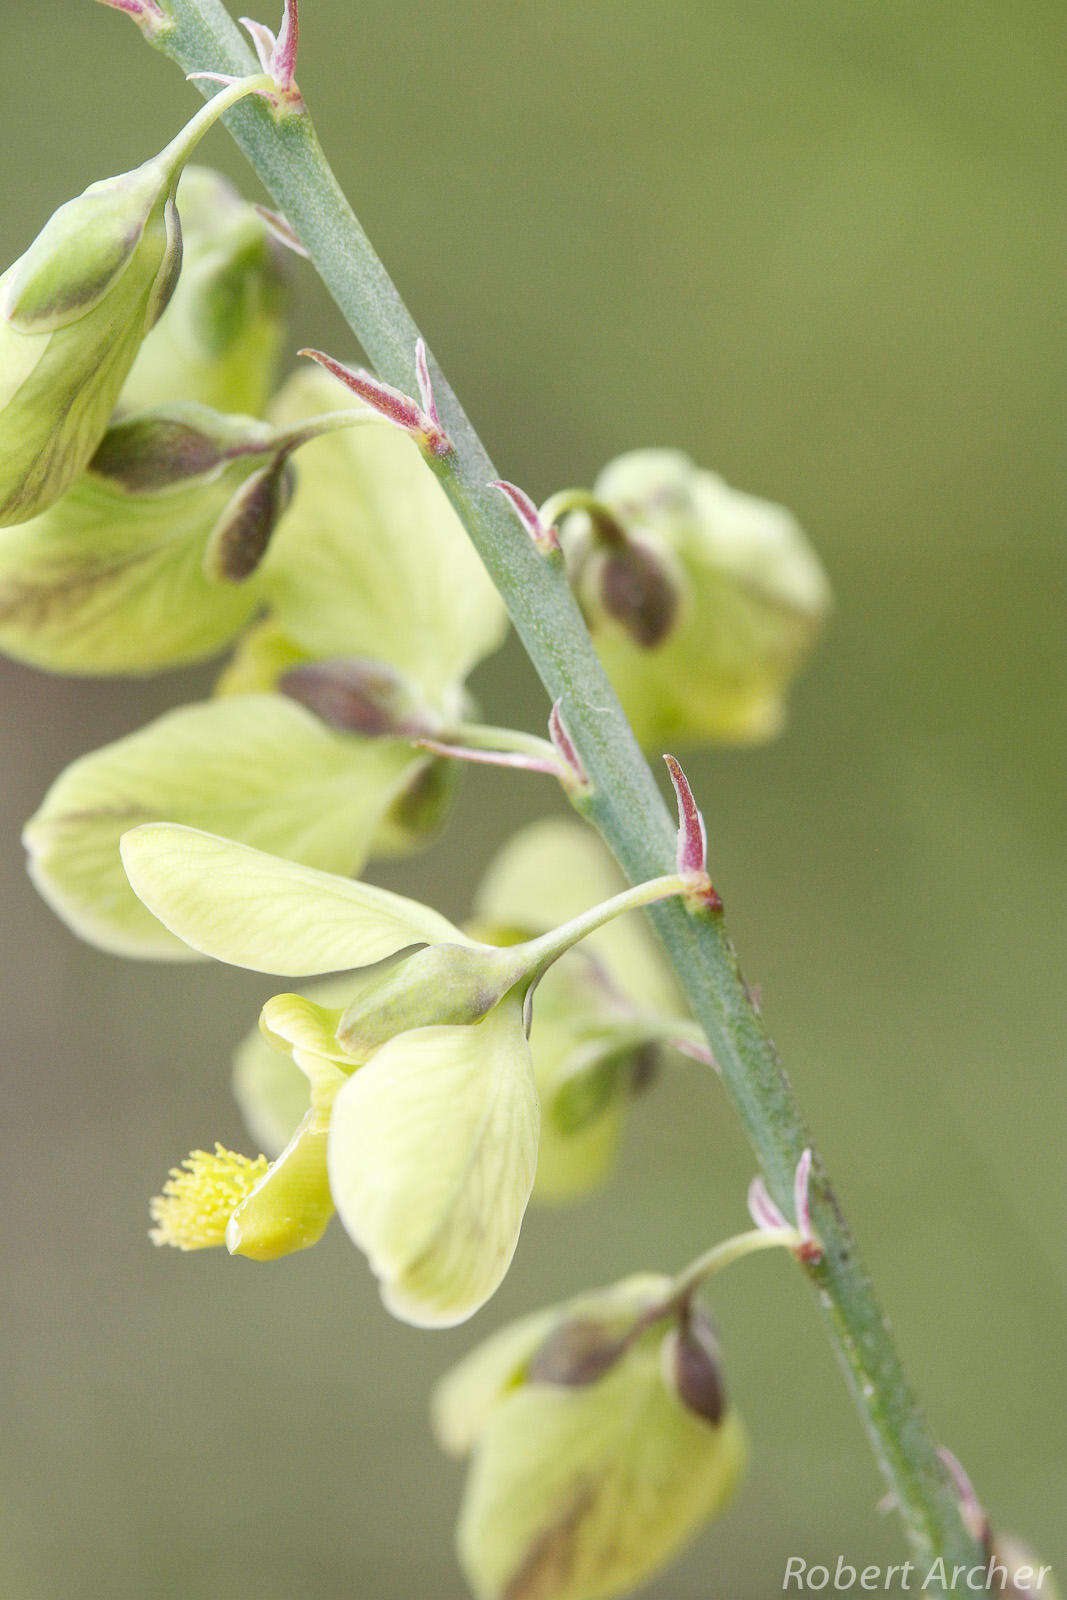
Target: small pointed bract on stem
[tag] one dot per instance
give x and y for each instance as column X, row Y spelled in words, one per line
column 423, row 425
column 574, row 776
column 282, row 229
column 692, row 851
column 545, row 536
column 767, row 1216
column 971, row 1508
column 149, row 17
column 277, row 57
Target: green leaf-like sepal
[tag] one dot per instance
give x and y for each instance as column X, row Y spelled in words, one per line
column 255, row 768
column 432, row 1153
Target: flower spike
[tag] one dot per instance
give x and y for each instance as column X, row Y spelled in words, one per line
column 767, row 1216
column 545, row 537
column 424, row 426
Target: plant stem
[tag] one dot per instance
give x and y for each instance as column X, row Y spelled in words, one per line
column 625, row 803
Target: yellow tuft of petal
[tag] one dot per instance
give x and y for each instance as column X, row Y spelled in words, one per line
column 201, row 1195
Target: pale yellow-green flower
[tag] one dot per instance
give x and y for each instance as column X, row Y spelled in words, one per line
column 257, row 768
column 117, row 576
column 703, row 601
column 422, row 1115
column 590, row 1469
column 428, row 1151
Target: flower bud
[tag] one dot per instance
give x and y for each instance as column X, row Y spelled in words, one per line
column 691, row 1365
column 238, row 542
column 635, row 586
column 580, row 1491
column 73, row 312
column 703, row 601
column 218, row 341
column 356, row 696
column 112, row 577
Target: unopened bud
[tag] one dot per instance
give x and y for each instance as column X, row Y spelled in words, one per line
column 690, row 1357
column 73, row 312
column 239, row 540
column 219, row 340
column 577, row 1353
column 172, row 445
column 356, row 696
column 637, row 588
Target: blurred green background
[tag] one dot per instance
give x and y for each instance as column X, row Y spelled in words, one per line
column 812, row 244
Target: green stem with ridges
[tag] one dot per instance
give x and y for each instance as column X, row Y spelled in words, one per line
column 624, row 803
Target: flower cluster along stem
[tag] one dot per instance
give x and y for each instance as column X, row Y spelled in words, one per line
column 622, row 800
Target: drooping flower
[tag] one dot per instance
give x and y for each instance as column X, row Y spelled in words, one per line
column 255, row 765
column 598, row 1450
column 604, row 1012
column 422, row 1126
column 702, row 600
